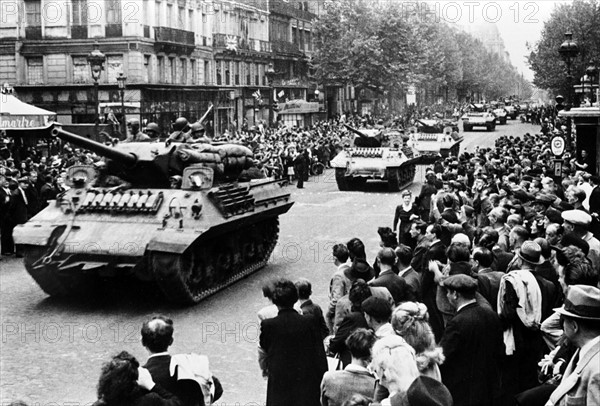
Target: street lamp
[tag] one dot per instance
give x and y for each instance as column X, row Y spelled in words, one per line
column 121, row 80
column 592, row 73
column 568, row 51
column 96, row 60
column 270, row 74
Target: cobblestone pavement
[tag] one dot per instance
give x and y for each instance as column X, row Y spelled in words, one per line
column 52, row 351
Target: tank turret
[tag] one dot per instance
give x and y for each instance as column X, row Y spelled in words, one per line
column 151, row 164
column 193, row 236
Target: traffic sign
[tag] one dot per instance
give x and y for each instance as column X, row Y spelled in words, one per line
column 557, row 145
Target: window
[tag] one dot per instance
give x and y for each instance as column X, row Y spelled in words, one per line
column 219, row 70
column 81, row 70
column 207, row 78
column 113, row 12
column 114, row 66
column 181, row 18
column 161, row 69
column 294, row 35
column 173, row 72
column 261, row 74
column 169, row 15
column 248, row 77
column 184, row 73
column 80, row 8
column 157, row 14
column 256, row 75
column 194, row 71
column 35, row 70
column 227, row 72
column 191, row 26
column 33, row 9
column 237, row 72
column 146, row 77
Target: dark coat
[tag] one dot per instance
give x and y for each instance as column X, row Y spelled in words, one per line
column 314, row 310
column 188, row 392
column 595, row 200
column 396, row 285
column 337, row 345
column 17, row 213
column 295, row 359
column 436, row 251
column 158, row 396
column 47, row 193
column 474, row 347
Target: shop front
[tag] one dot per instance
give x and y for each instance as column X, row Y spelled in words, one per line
column 300, row 113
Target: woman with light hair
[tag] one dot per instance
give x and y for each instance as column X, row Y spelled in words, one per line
column 394, row 363
column 410, row 321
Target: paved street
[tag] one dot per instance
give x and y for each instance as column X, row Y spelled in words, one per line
column 52, row 351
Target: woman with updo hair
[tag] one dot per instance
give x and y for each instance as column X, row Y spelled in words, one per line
column 123, row 383
column 410, row 321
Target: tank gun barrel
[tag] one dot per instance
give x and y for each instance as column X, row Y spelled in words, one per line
column 355, row 131
column 96, row 147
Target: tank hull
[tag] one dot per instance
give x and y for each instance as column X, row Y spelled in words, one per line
column 192, row 243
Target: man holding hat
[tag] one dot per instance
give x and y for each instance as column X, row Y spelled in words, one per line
column 580, row 315
column 578, row 223
column 473, row 347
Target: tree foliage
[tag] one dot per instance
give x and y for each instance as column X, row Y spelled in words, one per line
column 391, row 48
column 582, row 18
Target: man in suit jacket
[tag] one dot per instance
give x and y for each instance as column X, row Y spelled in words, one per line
column 436, row 252
column 157, row 336
column 413, row 279
column 295, row 357
column 388, row 279
column 580, row 384
column 6, row 242
column 473, row 347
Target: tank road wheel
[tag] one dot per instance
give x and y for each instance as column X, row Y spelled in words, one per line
column 55, row 281
column 209, row 266
column 341, row 180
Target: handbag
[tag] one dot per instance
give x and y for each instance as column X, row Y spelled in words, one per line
column 334, row 363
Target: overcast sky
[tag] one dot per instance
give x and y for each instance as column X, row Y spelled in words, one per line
column 519, row 21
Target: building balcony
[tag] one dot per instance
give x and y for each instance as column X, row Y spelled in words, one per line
column 33, row 32
column 290, row 10
column 237, row 43
column 171, row 40
column 285, row 47
column 79, row 31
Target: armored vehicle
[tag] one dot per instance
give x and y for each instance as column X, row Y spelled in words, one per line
column 478, row 117
column 433, row 139
column 375, row 157
column 173, row 213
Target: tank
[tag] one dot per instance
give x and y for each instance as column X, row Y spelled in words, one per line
column 433, row 139
column 171, row 213
column 375, row 156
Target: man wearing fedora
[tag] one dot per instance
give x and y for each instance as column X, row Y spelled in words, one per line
column 580, row 315
column 525, row 299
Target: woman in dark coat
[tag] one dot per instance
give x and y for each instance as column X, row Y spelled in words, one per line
column 123, row 383
column 405, row 214
column 295, row 357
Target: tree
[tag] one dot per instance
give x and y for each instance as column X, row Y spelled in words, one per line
column 582, row 18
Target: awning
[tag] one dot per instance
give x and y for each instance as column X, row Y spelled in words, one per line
column 16, row 115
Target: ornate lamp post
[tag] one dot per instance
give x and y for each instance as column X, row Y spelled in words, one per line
column 270, row 73
column 592, row 73
column 96, row 60
column 568, row 51
column 121, row 80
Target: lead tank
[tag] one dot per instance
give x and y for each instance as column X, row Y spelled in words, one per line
column 376, row 157
column 133, row 218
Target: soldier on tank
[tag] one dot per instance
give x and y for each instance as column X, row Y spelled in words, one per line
column 198, row 134
column 135, row 135
column 153, row 131
column 181, row 130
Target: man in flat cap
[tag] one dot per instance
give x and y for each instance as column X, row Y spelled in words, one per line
column 580, row 316
column 473, row 347
column 578, row 222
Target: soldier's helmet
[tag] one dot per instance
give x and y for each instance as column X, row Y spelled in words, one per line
column 152, row 129
column 181, row 124
column 197, row 128
column 133, row 121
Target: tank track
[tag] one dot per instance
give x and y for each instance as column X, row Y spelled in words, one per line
column 400, row 178
column 178, row 276
column 206, row 269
